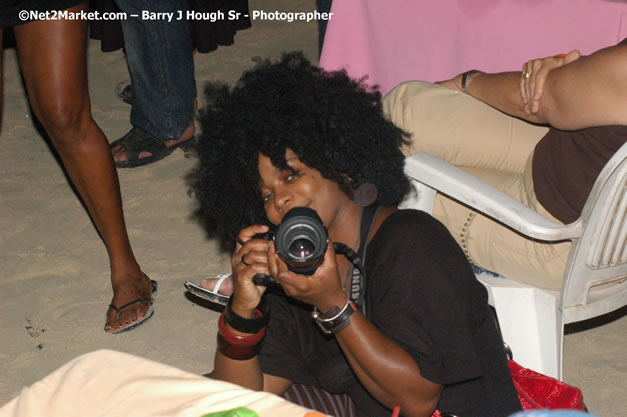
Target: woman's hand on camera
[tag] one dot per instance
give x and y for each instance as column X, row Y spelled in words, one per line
column 249, row 259
column 323, row 289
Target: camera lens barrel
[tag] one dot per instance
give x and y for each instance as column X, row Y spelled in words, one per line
column 301, row 240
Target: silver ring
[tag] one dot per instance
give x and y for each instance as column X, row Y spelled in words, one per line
column 527, row 75
column 242, row 260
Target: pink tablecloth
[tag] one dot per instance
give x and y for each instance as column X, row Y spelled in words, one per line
column 399, row 40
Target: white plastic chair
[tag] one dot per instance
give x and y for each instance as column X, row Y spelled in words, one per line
column 595, row 280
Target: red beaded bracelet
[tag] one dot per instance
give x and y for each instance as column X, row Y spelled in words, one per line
column 238, row 347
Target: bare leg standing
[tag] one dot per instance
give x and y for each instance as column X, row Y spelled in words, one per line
column 53, row 60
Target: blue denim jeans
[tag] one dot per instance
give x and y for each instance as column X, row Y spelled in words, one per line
column 160, row 61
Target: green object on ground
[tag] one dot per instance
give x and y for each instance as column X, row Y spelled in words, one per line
column 236, row 412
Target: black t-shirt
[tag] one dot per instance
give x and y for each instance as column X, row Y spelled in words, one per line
column 567, row 163
column 421, row 293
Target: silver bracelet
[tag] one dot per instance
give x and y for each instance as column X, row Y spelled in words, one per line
column 318, row 316
column 338, row 322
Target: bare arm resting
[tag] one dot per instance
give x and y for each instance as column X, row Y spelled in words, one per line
column 388, row 372
column 587, row 92
column 591, row 91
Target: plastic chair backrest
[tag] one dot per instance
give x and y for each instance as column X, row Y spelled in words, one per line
column 597, row 263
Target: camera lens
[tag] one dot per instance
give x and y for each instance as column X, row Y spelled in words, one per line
column 302, row 248
column 301, row 240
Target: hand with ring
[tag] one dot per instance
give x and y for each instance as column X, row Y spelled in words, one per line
column 534, row 75
column 249, row 258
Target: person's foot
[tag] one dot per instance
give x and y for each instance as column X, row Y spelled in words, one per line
column 226, row 285
column 138, row 147
column 127, row 292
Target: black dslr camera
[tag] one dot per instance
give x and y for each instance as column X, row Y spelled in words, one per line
column 300, row 240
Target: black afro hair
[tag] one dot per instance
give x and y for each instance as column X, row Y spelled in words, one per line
column 333, row 123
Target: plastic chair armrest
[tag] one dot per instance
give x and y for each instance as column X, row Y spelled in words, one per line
column 469, row 190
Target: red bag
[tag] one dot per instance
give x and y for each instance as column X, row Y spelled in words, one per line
column 537, row 391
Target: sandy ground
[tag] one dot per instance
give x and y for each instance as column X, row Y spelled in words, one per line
column 54, row 275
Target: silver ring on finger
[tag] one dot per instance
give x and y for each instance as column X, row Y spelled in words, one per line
column 526, row 75
column 242, row 260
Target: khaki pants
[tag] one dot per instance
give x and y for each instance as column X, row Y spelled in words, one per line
column 494, row 147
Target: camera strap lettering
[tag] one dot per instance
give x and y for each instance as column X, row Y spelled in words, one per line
column 358, row 277
column 356, row 272
column 357, row 285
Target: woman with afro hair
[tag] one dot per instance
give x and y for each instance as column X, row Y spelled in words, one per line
column 413, row 329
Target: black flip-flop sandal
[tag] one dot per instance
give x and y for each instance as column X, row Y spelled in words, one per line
column 142, row 320
column 137, row 141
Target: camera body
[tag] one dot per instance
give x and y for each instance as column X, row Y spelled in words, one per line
column 300, row 240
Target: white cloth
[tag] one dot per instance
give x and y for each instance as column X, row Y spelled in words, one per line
column 116, row 384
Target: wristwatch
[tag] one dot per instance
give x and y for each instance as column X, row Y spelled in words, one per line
column 335, row 319
column 465, row 79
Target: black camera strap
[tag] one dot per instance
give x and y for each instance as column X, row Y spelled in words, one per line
column 357, row 289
